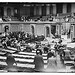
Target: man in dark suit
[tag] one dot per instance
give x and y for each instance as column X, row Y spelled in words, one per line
column 38, row 61
column 10, row 62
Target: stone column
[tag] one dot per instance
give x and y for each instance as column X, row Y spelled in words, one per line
column 72, row 8
column 35, row 10
column 64, row 8
column 40, row 10
column 54, row 8
column 12, row 11
column 47, row 9
column 5, row 11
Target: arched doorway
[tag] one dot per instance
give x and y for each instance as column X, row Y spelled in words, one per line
column 47, row 32
column 53, row 30
column 8, row 12
column 32, row 28
column 6, row 28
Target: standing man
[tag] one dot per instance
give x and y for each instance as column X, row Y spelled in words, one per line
column 10, row 63
column 18, row 46
column 51, row 62
column 38, row 61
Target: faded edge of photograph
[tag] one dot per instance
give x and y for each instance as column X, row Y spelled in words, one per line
column 37, row 37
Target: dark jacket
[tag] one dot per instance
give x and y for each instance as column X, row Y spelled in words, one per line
column 10, row 60
column 49, row 54
column 39, row 63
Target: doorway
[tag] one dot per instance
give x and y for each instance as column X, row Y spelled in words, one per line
column 53, row 30
column 47, row 32
column 6, row 28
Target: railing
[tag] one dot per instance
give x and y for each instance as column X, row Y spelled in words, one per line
column 48, row 18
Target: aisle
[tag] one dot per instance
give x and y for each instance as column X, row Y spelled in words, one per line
column 25, row 60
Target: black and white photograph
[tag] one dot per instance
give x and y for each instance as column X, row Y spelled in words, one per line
column 37, row 37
